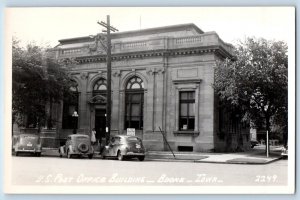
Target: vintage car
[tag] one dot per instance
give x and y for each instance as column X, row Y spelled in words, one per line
column 27, row 143
column 124, row 146
column 77, row 145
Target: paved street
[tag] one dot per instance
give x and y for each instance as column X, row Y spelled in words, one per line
column 62, row 171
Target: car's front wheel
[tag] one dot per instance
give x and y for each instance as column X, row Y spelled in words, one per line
column 90, row 156
column 120, row 156
column 141, row 158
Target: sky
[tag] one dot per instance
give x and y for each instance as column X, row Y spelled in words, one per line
column 45, row 26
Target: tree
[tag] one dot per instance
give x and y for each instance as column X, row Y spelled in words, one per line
column 37, row 79
column 256, row 81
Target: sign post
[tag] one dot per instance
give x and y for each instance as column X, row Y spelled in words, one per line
column 267, row 143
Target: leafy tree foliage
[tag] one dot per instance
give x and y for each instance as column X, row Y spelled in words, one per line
column 37, row 79
column 256, row 81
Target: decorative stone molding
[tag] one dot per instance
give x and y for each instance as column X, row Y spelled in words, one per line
column 152, row 71
column 160, row 70
column 186, row 133
column 218, row 50
column 117, row 73
column 84, row 75
column 98, row 99
column 187, row 81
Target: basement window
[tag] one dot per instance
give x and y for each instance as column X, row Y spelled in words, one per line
column 185, row 148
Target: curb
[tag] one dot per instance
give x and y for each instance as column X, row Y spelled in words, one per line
column 51, row 152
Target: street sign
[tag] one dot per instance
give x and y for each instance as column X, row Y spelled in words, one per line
column 131, row 131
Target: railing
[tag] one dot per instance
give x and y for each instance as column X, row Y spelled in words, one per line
column 71, row 51
column 130, row 45
column 187, row 40
column 203, row 40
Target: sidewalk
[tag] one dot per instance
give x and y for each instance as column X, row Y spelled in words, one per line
column 226, row 158
column 254, row 156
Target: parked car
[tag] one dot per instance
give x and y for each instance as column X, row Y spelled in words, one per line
column 253, row 143
column 27, row 143
column 77, row 145
column 284, row 151
column 124, row 146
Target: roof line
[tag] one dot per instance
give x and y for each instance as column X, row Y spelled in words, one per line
column 132, row 32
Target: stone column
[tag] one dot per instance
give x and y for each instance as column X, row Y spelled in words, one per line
column 159, row 98
column 149, row 122
column 83, row 124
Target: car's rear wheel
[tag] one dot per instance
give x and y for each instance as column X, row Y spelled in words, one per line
column 120, row 156
column 38, row 154
column 141, row 158
column 17, row 153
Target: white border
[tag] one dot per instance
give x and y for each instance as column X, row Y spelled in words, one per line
column 12, row 189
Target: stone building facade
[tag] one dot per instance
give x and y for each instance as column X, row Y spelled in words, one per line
column 161, row 79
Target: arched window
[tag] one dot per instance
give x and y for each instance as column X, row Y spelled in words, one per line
column 134, row 103
column 100, row 87
column 70, row 105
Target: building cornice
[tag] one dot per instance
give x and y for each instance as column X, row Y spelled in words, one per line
column 155, row 53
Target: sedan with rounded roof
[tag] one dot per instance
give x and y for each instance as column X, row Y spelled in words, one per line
column 77, row 145
column 124, row 146
column 27, row 143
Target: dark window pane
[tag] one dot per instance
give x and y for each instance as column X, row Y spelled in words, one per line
column 136, row 97
column 127, row 109
column 127, row 124
column 71, row 109
column 69, row 106
column 191, row 124
column 183, row 123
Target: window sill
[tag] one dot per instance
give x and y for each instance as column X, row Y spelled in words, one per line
column 193, row 133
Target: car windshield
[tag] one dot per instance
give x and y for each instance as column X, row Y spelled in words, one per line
column 27, row 139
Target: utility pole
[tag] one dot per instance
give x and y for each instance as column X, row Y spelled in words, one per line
column 108, row 60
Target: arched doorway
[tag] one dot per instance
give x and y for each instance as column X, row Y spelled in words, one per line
column 99, row 102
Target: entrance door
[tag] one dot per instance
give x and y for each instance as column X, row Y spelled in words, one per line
column 100, row 124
